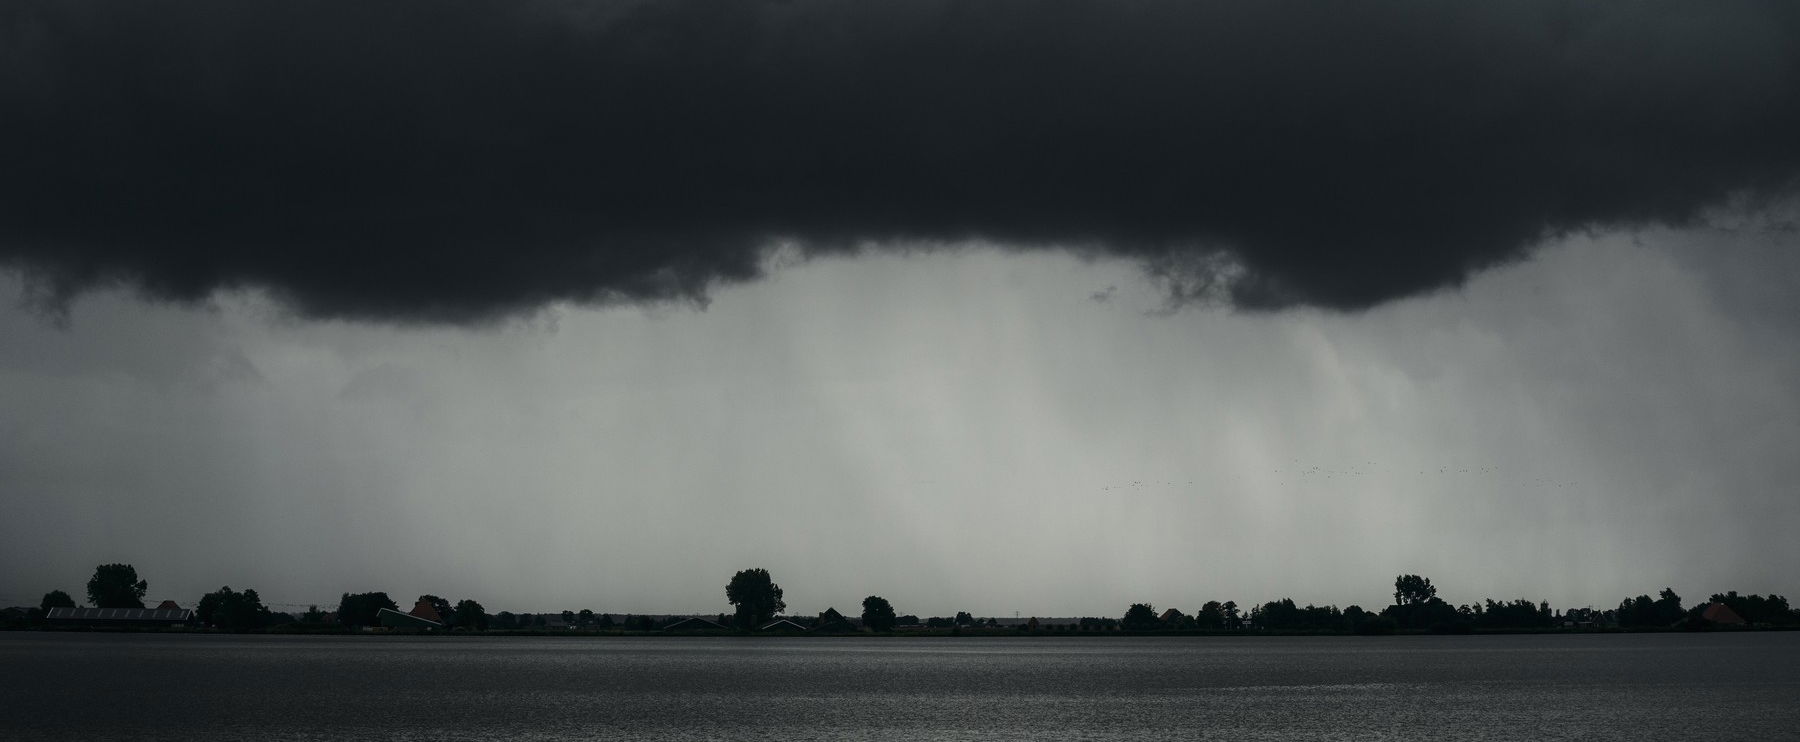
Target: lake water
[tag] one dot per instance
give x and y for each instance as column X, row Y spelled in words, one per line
column 1625, row 687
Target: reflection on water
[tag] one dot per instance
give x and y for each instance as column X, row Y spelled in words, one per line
column 115, row 686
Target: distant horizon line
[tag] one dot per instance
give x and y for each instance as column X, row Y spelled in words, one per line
column 1016, row 615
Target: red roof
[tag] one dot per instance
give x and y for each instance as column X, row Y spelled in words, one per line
column 1721, row 613
column 425, row 611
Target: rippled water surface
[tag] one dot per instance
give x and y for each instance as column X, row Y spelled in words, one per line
column 1658, row 686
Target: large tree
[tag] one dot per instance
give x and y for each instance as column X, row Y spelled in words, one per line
column 116, row 586
column 56, row 599
column 878, row 614
column 470, row 615
column 1668, row 606
column 231, row 610
column 363, row 609
column 1417, row 606
column 756, row 597
column 1140, row 617
column 1211, row 615
column 1642, row 611
column 1413, row 590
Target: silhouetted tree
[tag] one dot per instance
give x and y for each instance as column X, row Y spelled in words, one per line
column 363, row 609
column 1516, row 614
column 1366, row 622
column 1283, row 615
column 1417, row 606
column 231, row 610
column 1413, row 590
column 908, row 620
column 470, row 615
column 584, row 618
column 1140, row 617
column 568, row 618
column 1668, row 605
column 1211, row 616
column 116, row 586
column 756, row 597
column 606, row 620
column 1233, row 620
column 877, row 613
column 312, row 615
column 56, row 599
column 1638, row 611
column 1641, row 611
column 964, row 619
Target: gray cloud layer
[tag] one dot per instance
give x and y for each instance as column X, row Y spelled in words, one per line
column 436, row 161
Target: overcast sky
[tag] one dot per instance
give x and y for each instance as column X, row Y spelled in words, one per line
column 1044, row 307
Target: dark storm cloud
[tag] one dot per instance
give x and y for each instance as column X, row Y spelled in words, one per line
column 448, row 161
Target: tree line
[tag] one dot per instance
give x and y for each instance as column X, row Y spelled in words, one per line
column 1417, row 607
column 757, row 602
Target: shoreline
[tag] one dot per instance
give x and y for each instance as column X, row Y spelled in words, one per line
column 925, row 634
